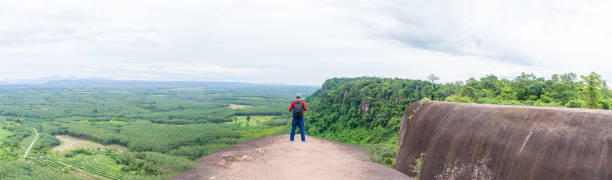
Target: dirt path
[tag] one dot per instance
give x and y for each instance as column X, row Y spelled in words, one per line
column 31, row 144
column 274, row 157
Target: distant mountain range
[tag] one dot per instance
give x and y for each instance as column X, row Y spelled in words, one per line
column 44, row 80
column 101, row 82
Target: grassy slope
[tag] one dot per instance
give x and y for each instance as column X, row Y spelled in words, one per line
column 4, row 134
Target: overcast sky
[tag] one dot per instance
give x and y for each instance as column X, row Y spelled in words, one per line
column 304, row 41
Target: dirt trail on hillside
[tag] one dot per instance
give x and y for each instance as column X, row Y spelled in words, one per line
column 31, row 144
column 274, row 157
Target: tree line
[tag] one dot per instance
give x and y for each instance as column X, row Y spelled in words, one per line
column 561, row 90
column 368, row 110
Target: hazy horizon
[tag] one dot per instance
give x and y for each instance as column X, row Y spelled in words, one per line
column 47, row 80
column 301, row 42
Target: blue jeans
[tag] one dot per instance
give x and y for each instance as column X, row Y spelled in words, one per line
column 296, row 122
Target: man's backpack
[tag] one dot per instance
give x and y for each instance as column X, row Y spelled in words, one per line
column 298, row 110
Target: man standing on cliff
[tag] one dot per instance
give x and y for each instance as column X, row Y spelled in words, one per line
column 297, row 108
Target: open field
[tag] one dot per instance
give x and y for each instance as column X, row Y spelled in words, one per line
column 46, row 162
column 92, row 166
column 100, row 165
column 237, row 106
column 250, row 120
column 71, row 143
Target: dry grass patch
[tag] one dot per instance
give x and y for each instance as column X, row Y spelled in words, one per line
column 237, row 106
column 70, row 143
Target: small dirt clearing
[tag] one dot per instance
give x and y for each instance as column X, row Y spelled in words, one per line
column 237, row 106
column 274, row 157
column 70, row 143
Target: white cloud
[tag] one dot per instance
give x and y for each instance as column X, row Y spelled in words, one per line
column 301, row 42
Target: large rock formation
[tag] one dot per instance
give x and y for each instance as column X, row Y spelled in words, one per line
column 475, row 141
